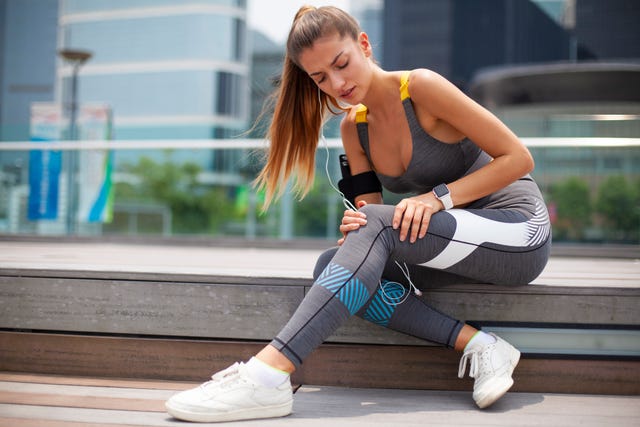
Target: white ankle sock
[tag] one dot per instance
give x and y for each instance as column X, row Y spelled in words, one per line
column 265, row 374
column 480, row 339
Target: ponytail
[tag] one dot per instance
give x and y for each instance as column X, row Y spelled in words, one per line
column 300, row 107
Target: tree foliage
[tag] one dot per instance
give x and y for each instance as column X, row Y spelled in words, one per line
column 195, row 207
column 573, row 207
column 618, row 202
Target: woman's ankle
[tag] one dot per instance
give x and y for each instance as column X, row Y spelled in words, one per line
column 466, row 333
column 274, row 358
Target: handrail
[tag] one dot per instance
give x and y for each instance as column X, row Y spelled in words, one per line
column 162, row 144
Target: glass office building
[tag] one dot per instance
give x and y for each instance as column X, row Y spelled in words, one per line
column 169, row 69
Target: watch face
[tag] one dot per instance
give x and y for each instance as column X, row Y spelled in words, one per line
column 441, row 190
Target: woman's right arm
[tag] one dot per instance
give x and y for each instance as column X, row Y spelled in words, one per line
column 358, row 163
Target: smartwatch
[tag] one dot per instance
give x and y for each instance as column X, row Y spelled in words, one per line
column 442, row 193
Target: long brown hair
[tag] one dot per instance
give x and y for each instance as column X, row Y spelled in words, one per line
column 300, row 106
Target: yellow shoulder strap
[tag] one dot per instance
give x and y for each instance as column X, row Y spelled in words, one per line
column 404, row 85
column 361, row 113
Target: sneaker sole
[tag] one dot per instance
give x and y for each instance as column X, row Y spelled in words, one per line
column 499, row 388
column 275, row 411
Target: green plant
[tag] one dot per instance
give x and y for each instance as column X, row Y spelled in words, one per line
column 195, row 207
column 572, row 202
column 618, row 202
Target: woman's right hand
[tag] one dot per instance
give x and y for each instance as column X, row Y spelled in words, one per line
column 352, row 220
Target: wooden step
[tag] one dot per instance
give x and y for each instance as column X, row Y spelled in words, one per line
column 131, row 311
column 348, row 365
column 257, row 308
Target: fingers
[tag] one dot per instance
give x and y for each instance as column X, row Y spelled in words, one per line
column 353, row 217
column 351, row 220
column 412, row 218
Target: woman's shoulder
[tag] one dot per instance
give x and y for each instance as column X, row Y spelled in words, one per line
column 431, row 90
column 424, row 77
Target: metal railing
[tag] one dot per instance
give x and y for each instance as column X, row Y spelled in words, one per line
column 225, row 169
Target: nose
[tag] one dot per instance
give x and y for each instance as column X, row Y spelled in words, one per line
column 337, row 82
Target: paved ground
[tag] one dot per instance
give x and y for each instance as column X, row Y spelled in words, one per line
column 260, row 262
column 46, row 401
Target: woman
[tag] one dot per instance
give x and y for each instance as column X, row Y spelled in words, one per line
column 476, row 215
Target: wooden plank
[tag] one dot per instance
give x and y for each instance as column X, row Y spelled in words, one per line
column 258, row 312
column 22, row 422
column 318, row 406
column 377, row 366
column 85, row 416
column 85, row 391
column 280, row 261
column 31, row 378
column 436, row 369
column 602, row 306
column 118, row 357
column 91, row 402
column 115, row 306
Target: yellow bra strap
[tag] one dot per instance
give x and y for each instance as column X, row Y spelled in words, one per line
column 404, row 85
column 361, row 110
column 361, row 114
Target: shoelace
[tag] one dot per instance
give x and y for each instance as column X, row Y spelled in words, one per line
column 473, row 356
column 224, row 377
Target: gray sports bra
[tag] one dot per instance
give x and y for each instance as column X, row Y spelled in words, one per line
column 432, row 161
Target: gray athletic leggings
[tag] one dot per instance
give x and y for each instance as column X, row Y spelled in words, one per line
column 499, row 246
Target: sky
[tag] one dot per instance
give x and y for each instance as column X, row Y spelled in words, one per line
column 274, row 17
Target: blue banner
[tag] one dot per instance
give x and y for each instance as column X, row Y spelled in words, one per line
column 44, row 178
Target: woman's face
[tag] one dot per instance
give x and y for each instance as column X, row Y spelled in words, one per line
column 339, row 66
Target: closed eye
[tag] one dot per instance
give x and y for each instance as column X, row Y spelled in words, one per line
column 339, row 67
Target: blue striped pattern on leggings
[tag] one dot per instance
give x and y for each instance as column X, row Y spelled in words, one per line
column 348, row 289
column 379, row 310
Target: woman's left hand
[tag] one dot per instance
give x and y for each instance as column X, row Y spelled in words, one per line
column 412, row 216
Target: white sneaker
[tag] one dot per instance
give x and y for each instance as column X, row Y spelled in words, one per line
column 491, row 367
column 230, row 396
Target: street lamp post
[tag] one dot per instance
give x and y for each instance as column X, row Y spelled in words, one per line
column 77, row 58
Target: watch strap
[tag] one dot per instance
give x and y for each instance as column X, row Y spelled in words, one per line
column 442, row 193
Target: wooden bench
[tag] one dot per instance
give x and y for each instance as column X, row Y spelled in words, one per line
column 183, row 312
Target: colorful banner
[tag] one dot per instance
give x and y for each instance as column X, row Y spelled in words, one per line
column 44, row 165
column 95, row 192
column 95, row 195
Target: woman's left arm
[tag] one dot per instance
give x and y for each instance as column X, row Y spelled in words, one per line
column 439, row 103
column 442, row 100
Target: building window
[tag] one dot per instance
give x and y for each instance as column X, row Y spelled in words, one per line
column 229, row 95
column 240, row 31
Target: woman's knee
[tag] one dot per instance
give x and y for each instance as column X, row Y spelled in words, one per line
column 323, row 260
column 382, row 214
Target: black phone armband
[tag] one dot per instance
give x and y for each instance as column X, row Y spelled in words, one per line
column 354, row 185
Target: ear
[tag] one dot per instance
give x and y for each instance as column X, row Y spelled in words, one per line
column 363, row 42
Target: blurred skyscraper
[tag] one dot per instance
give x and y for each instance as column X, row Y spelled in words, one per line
column 167, row 68
column 27, row 62
column 369, row 14
column 459, row 37
column 609, row 29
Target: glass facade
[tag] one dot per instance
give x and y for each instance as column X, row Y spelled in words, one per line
column 175, row 76
column 592, row 188
column 181, row 66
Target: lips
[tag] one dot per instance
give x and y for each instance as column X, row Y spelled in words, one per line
column 346, row 94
